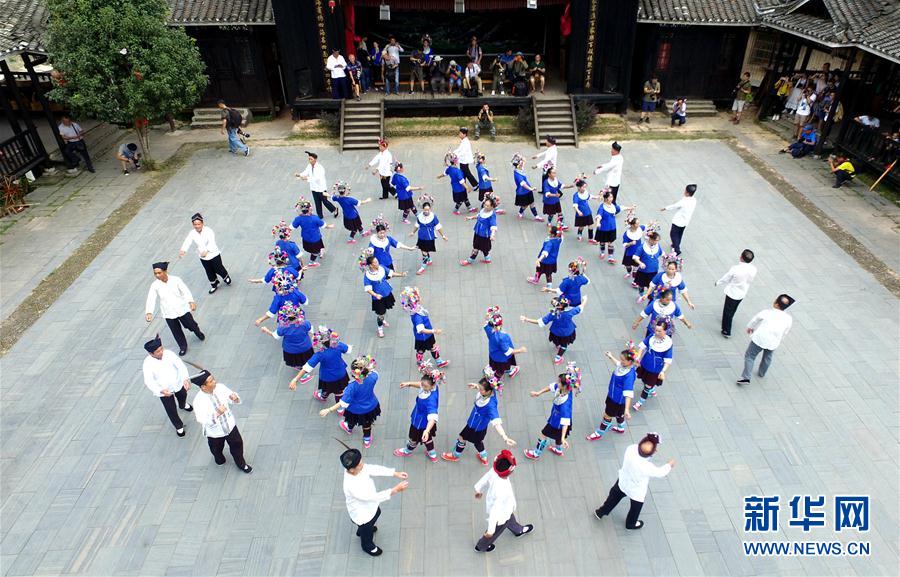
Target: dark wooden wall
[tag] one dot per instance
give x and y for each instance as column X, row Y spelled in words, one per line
column 613, row 44
column 300, row 46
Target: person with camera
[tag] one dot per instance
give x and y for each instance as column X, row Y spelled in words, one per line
column 652, row 89
column 485, row 121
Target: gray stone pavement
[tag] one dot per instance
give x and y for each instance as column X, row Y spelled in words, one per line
column 95, row 482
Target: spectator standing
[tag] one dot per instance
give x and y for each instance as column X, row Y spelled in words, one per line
column 231, row 122
column 337, row 66
column 129, row 156
column 472, row 78
column 743, row 93
column 498, row 72
column 314, row 174
column 804, row 110
column 416, row 61
column 474, row 52
column 427, row 52
column 376, row 64
column 798, row 85
column 354, row 74
column 679, row 112
column 392, row 62
column 485, row 121
column 73, row 136
column 766, row 330
column 841, row 167
column 365, row 62
column 685, row 210
column 537, row 71
column 737, row 282
column 652, row 89
column 782, row 90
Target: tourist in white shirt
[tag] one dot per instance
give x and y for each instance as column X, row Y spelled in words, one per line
column 547, row 157
column 175, row 303
column 337, row 66
column 634, row 480
column 767, row 329
column 362, row 497
column 210, row 256
column 212, row 410
column 314, row 174
column 613, row 170
column 737, row 282
column 465, row 155
column 73, row 136
column 167, row 378
column 384, row 168
column 499, row 501
column 685, row 210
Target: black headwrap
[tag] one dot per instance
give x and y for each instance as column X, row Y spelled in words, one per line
column 200, row 378
column 161, row 265
column 197, row 216
column 785, row 301
column 351, row 457
column 153, row 344
column 312, row 154
column 616, row 146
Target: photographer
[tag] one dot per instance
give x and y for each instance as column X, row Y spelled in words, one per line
column 485, row 120
column 842, row 169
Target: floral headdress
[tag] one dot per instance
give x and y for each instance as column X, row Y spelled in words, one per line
column 423, row 198
column 278, row 257
column 517, row 159
column 631, row 350
column 361, row 364
column 284, row 282
column 557, row 234
column 427, row 369
column 290, row 315
column 573, row 375
column 303, row 206
column 450, row 158
column 669, row 322
column 479, row 156
column 380, row 221
column 559, row 303
column 630, row 215
column 410, row 300
column 341, row 188
column 547, row 166
column 494, row 198
column 282, row 231
column 578, row 266
column 493, row 316
column 651, row 228
column 324, row 338
column 364, row 255
column 673, row 257
column 493, row 382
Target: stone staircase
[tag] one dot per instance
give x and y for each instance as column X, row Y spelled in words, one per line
column 212, row 117
column 99, row 139
column 555, row 116
column 362, row 124
column 698, row 108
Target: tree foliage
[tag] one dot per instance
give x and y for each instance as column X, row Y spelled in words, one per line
column 121, row 63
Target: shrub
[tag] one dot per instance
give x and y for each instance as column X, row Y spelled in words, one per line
column 330, row 122
column 585, row 115
column 525, row 121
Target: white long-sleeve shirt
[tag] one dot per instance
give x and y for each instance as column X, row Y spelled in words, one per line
column 684, row 210
column 499, row 500
column 205, row 241
column 769, row 327
column 384, row 159
column 362, row 497
column 174, row 298
column 634, row 476
column 613, row 170
column 464, row 151
column 737, row 280
column 316, row 176
column 332, row 65
column 215, row 425
column 548, row 155
column 165, row 374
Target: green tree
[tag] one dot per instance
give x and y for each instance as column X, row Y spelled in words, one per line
column 120, row 62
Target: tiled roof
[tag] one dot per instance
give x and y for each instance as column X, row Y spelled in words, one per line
column 697, row 11
column 26, row 20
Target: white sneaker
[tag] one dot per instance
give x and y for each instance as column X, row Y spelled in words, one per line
column 493, row 93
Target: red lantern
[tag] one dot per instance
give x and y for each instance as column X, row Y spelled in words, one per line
column 331, row 5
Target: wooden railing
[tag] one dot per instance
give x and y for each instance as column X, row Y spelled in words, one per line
column 872, row 147
column 19, row 154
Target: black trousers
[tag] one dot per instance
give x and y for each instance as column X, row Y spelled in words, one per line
column 386, row 189
column 675, row 233
column 615, row 495
column 169, row 404
column 235, row 446
column 468, row 174
column 321, row 198
column 187, row 321
column 76, row 149
column 214, row 269
column 841, row 176
column 366, row 533
column 615, row 192
column 512, row 524
column 731, row 307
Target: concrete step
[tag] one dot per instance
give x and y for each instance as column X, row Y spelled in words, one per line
column 554, row 117
column 565, row 106
column 359, row 146
column 362, row 122
column 368, row 139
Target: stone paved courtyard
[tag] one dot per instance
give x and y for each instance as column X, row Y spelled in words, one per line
column 95, row 482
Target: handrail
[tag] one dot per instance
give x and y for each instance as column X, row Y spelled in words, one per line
column 381, row 110
column 574, row 120
column 341, row 135
column 19, row 154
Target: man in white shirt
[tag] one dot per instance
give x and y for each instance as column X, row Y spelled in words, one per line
column 337, row 66
column 548, row 157
column 175, row 303
column 472, row 78
column 210, row 256
column 499, row 501
column 685, row 210
column 362, row 497
column 737, row 282
column 167, row 378
column 212, row 410
column 613, row 170
column 383, row 163
column 314, row 174
column 466, row 157
column 767, row 329
column 73, row 136
column 634, row 480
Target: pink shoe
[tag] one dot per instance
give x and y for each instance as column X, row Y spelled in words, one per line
column 380, row 333
column 431, row 457
column 637, row 406
column 386, row 324
column 520, row 216
column 538, row 219
column 565, row 227
column 483, row 460
column 531, row 280
column 594, row 436
column 402, row 452
column 500, row 211
column 555, row 451
column 456, row 212
column 351, row 241
column 634, row 285
column 367, row 233
column 421, row 271
column 442, row 363
column 345, row 428
column 306, row 379
column 449, row 457
column 405, row 221
column 513, row 372
column 531, row 454
column 313, row 265
column 430, row 262
column 627, row 275
column 367, row 442
column 317, row 395
column 465, row 262
column 473, row 209
column 340, row 412
column 611, row 260
column 487, row 260
column 592, row 241
column 557, row 360
column 579, row 238
column 618, row 429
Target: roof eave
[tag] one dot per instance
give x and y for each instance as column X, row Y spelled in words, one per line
column 186, row 24
column 693, row 23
